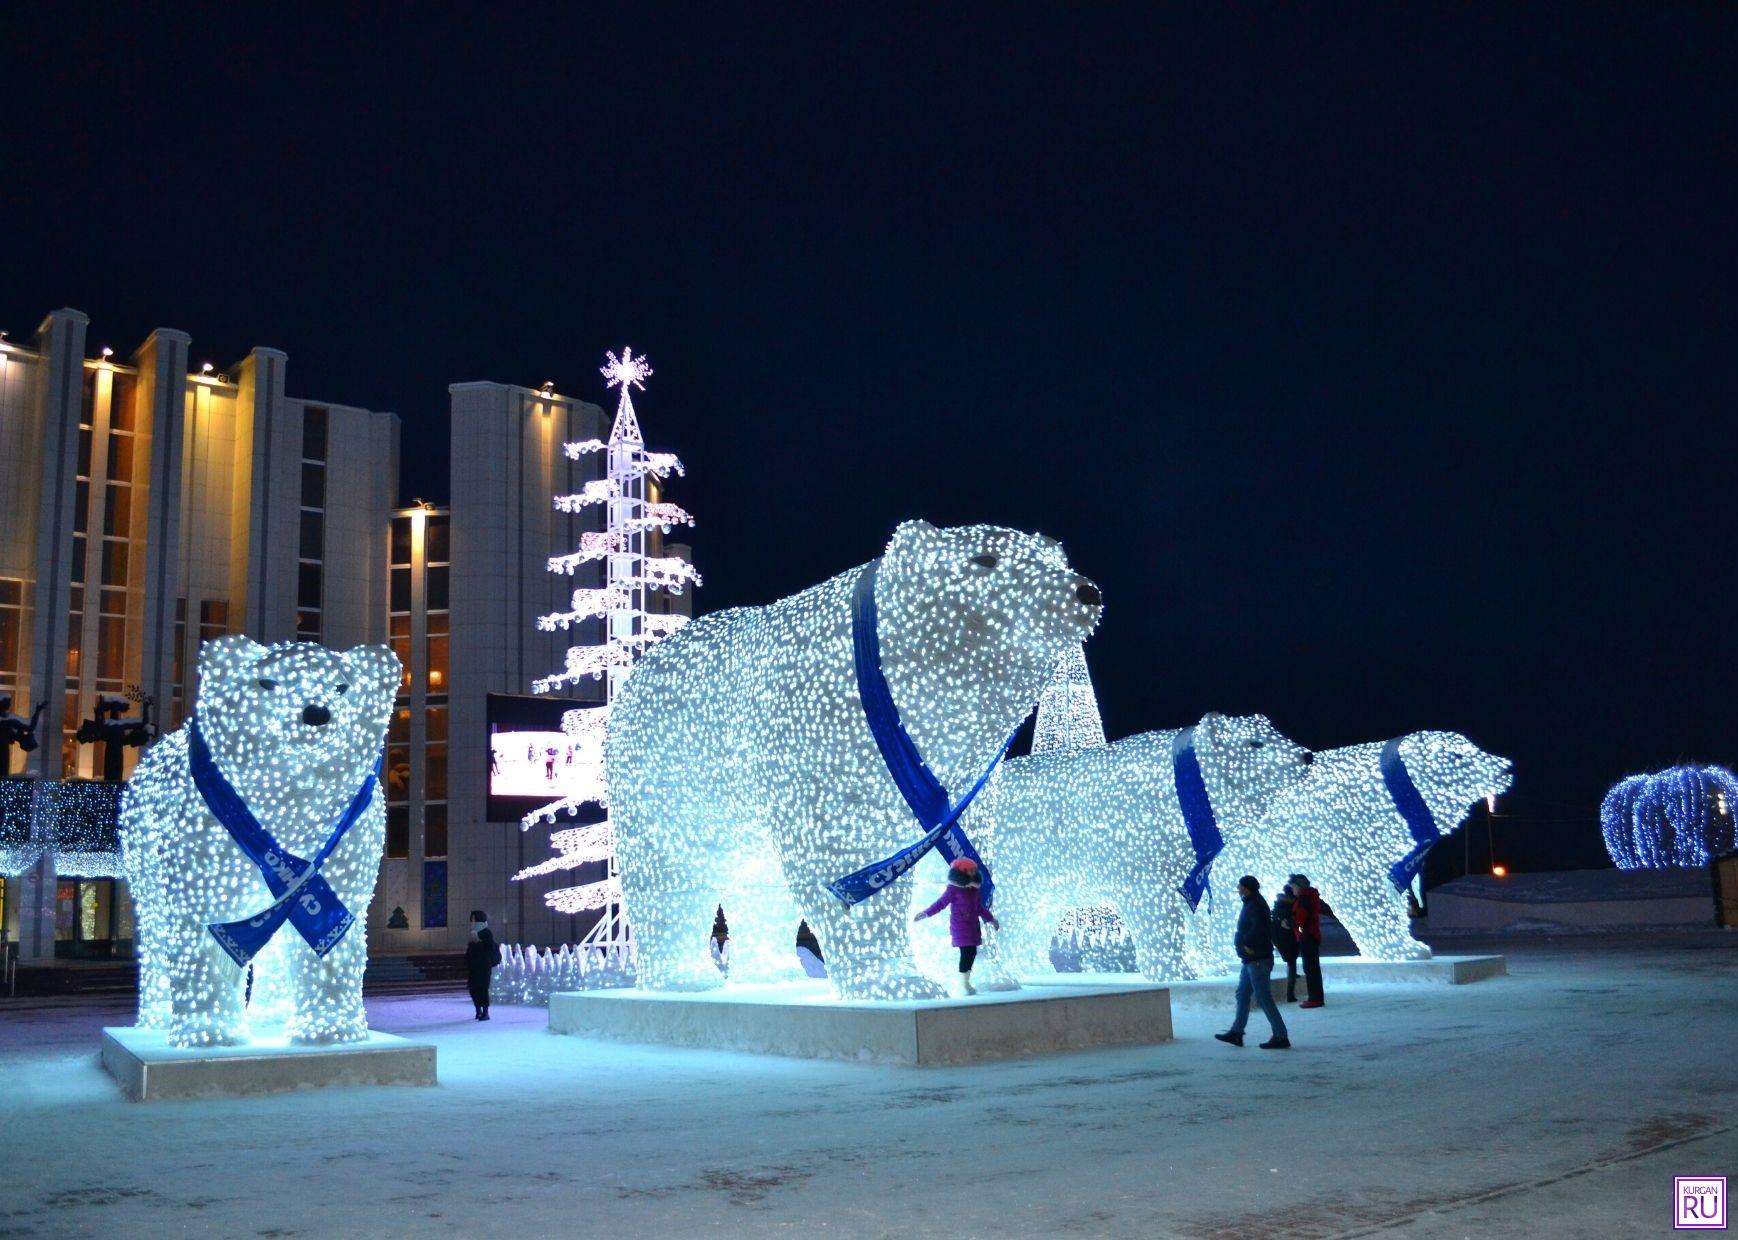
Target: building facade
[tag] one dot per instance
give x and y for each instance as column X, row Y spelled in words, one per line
column 145, row 506
column 150, row 504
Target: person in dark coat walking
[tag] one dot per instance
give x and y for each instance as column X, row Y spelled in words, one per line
column 1285, row 938
column 965, row 904
column 1254, row 943
column 1306, row 913
column 482, row 954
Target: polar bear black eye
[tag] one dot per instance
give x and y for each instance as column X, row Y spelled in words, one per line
column 1256, row 744
column 267, row 684
column 985, row 561
column 342, row 689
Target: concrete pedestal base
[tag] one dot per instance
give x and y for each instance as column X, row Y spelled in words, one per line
column 1336, row 971
column 805, row 1019
column 148, row 1068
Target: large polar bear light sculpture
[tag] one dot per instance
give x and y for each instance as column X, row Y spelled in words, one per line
column 742, row 771
column 1361, row 811
column 1105, row 825
column 296, row 730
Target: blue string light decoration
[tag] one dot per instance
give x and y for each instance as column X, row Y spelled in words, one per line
column 1680, row 817
column 21, row 825
column 86, row 831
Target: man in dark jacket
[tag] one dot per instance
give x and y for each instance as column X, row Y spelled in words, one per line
column 1306, row 914
column 1254, row 943
column 1285, row 938
column 482, row 954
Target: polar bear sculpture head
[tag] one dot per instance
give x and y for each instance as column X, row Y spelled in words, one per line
column 1246, row 762
column 1452, row 774
column 972, row 621
column 294, row 713
column 1342, row 825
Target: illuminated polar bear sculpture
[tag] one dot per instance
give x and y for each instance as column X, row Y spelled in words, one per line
column 296, row 729
column 1342, row 828
column 1103, row 826
column 742, row 771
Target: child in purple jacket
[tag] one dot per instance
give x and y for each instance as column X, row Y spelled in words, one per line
column 964, row 902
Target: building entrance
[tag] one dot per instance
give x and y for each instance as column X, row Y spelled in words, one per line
column 93, row 919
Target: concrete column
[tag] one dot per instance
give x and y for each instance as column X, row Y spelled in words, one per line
column 162, row 363
column 61, row 341
column 36, row 909
column 258, row 564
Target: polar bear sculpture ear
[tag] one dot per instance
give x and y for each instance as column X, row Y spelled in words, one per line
column 374, row 667
column 911, row 534
column 221, row 657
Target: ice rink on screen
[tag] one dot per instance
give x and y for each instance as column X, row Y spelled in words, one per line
column 536, row 764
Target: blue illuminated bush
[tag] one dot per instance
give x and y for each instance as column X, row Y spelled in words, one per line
column 1678, row 817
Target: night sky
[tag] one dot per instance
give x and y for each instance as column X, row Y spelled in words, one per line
column 1380, row 363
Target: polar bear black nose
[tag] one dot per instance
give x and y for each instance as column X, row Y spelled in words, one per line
column 1308, row 757
column 316, row 715
column 1089, row 595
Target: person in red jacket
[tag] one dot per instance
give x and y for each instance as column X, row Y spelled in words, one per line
column 965, row 904
column 1306, row 915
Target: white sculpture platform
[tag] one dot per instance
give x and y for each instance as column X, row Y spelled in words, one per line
column 1336, row 971
column 148, row 1068
column 806, row 1019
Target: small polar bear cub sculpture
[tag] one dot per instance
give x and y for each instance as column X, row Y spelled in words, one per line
column 1341, row 827
column 1103, row 825
column 296, row 729
column 742, row 771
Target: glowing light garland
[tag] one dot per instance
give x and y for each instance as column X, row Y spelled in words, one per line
column 1339, row 825
column 742, row 772
column 26, row 814
column 258, row 708
column 631, row 627
column 530, row 975
column 1101, row 828
column 85, row 832
column 74, row 821
column 1676, row 817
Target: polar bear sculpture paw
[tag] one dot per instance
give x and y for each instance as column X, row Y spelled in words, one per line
column 990, row 975
column 769, row 975
column 890, row 986
column 329, row 1034
column 207, row 1034
column 692, row 975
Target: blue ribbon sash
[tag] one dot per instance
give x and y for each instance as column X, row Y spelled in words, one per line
column 922, row 791
column 1198, row 817
column 1409, row 804
column 301, row 896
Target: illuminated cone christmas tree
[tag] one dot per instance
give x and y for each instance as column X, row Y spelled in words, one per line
column 1068, row 717
column 631, row 625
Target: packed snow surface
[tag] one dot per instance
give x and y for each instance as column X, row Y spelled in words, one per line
column 1560, row 1100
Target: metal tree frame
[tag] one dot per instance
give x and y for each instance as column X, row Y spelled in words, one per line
column 630, row 628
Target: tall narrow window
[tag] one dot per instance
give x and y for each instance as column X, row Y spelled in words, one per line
column 311, row 536
column 11, row 629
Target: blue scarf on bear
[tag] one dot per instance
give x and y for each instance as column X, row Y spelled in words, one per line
column 301, row 896
column 922, row 791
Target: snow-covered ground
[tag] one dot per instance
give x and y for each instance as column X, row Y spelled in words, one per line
column 1559, row 1101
